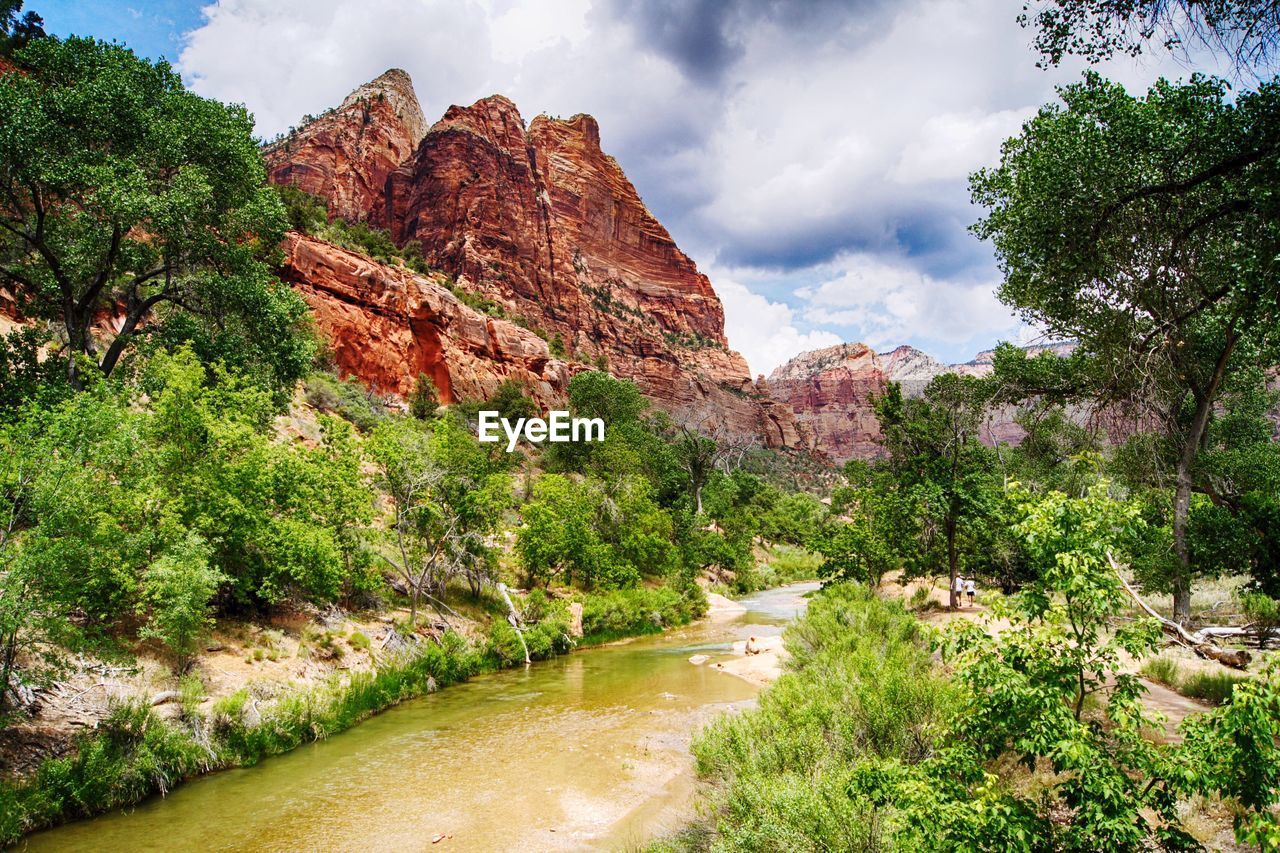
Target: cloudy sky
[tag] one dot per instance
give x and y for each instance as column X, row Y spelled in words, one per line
column 811, row 156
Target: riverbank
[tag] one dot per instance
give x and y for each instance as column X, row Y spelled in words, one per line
column 585, row 749
column 263, row 691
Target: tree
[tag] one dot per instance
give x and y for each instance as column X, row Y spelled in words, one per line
column 558, row 536
column 1235, row 750
column 856, row 551
column 1147, row 229
column 16, row 28
column 176, row 593
column 424, row 399
column 934, row 451
column 1246, row 31
column 1028, row 685
column 123, row 194
column 444, row 502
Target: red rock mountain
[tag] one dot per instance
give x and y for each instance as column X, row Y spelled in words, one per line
column 829, row 391
column 537, row 218
column 346, row 154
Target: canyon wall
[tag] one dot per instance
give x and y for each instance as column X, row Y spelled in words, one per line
column 536, row 218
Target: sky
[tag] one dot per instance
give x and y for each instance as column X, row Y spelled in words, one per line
column 811, row 156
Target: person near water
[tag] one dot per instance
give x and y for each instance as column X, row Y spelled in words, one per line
column 972, row 589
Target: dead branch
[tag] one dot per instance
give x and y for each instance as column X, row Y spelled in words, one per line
column 1201, row 642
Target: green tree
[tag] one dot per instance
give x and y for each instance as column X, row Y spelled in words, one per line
column 558, row 537
column 425, row 399
column 935, row 454
column 17, row 28
column 446, row 498
column 176, row 593
column 124, row 193
column 280, row 518
column 1234, row 751
column 1029, row 686
column 1147, row 229
column 856, row 551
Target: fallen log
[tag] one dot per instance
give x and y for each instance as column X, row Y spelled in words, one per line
column 1201, row 642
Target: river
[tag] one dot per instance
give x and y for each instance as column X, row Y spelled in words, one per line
column 587, row 751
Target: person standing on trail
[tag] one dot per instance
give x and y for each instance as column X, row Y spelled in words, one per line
column 957, row 591
column 971, row 588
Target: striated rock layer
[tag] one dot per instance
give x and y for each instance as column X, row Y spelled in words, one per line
column 543, row 222
column 346, row 154
column 830, row 392
column 386, row 325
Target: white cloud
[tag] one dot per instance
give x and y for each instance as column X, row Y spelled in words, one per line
column 951, row 146
column 763, row 331
column 887, row 303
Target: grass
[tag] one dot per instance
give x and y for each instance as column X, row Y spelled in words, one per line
column 1212, row 687
column 860, row 686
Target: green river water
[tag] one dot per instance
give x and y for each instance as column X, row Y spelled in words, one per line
column 588, row 751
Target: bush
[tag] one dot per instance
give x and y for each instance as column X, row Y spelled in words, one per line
column 860, row 687
column 625, row 613
column 348, row 399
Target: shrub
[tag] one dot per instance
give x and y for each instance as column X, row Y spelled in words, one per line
column 348, row 399
column 629, row 612
column 860, row 687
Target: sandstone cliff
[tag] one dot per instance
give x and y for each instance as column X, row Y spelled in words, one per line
column 346, row 154
column 540, row 220
column 829, row 391
column 386, row 325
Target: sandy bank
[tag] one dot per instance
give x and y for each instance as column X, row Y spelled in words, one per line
column 757, row 660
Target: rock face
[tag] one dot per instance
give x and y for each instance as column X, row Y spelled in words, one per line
column 387, row 325
column 830, row 392
column 540, row 220
column 346, row 154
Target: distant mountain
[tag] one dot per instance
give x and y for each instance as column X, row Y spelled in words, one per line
column 829, row 391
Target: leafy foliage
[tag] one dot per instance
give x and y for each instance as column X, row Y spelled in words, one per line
column 125, row 191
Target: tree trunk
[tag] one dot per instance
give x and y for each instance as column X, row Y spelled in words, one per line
column 1195, row 436
column 953, row 561
column 1181, row 581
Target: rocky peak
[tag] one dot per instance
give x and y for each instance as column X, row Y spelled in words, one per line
column 545, row 224
column 495, row 119
column 346, row 154
column 850, row 357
